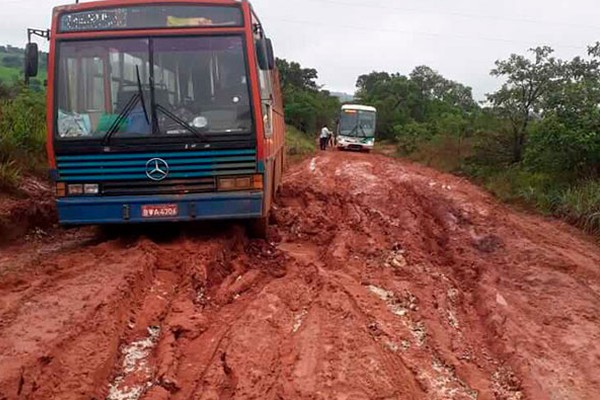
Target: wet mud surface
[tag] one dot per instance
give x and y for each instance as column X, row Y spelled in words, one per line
column 380, row 280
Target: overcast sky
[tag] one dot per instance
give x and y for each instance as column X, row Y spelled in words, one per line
column 343, row 39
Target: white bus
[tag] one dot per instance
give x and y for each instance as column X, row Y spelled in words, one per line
column 356, row 128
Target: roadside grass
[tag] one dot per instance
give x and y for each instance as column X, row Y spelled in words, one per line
column 580, row 205
column 22, row 137
column 443, row 152
column 577, row 202
column 298, row 144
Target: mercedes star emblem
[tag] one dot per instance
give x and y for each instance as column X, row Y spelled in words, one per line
column 157, row 169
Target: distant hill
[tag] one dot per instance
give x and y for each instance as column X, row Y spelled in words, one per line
column 344, row 97
column 11, row 65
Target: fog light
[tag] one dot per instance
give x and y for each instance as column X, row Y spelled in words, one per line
column 75, row 190
column 91, row 188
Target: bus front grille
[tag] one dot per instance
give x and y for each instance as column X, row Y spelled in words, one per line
column 137, row 188
column 121, row 174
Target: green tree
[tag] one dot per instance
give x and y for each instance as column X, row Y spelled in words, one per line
column 294, row 76
column 567, row 140
column 422, row 97
column 520, row 98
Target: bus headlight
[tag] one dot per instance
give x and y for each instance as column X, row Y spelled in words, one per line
column 91, row 189
column 75, row 190
column 227, row 184
column 79, row 189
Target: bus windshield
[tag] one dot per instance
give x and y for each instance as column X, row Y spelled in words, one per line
column 194, row 81
column 357, row 123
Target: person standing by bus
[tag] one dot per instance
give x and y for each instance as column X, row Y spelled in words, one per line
column 324, row 137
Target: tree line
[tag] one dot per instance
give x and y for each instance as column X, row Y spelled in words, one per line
column 536, row 140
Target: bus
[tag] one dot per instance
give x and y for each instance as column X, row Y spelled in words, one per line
column 162, row 110
column 356, row 128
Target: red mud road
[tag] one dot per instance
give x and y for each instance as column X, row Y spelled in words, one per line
column 381, row 280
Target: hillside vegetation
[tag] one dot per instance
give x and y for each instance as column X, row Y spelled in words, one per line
column 11, row 67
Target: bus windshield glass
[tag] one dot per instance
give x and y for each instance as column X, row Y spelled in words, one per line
column 198, row 82
column 357, row 123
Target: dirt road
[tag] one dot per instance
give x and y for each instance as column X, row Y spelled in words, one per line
column 381, row 280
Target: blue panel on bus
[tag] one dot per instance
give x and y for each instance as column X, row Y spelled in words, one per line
column 178, row 165
column 195, row 207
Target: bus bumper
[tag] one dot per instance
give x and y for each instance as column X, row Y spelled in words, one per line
column 192, row 207
column 355, row 146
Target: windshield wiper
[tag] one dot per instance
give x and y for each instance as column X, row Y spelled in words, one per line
column 141, row 93
column 129, row 107
column 351, row 134
column 363, row 131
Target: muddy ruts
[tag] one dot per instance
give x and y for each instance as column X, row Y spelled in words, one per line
column 380, row 280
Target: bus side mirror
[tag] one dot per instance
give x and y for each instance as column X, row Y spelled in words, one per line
column 31, row 60
column 264, row 53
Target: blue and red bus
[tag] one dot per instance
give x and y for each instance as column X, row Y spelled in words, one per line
column 162, row 110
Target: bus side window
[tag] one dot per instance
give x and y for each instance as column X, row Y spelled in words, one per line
column 266, row 102
column 266, row 90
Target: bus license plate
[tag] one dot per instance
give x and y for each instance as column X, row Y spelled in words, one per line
column 160, row 211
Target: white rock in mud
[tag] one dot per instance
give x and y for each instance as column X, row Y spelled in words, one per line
column 313, row 165
column 501, row 300
column 135, row 357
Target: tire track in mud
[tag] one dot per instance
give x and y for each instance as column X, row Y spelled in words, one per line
column 381, row 280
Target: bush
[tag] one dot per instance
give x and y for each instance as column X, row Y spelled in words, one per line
column 411, row 135
column 562, row 150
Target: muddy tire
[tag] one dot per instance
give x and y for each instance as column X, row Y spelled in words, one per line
column 258, row 227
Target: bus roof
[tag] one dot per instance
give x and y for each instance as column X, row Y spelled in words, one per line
column 358, row 107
